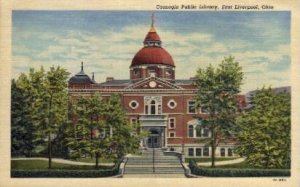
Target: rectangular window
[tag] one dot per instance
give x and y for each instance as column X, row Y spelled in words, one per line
column 172, row 134
column 172, row 123
column 230, row 152
column 203, row 110
column 206, row 151
column 198, row 151
column 191, row 131
column 159, row 109
column 198, row 131
column 146, row 109
column 133, row 121
column 191, row 151
column 192, row 107
column 205, row 132
column 222, row 152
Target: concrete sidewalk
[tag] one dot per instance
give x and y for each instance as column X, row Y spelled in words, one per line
column 221, row 163
column 64, row 161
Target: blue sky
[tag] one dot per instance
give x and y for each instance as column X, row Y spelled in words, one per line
column 106, row 41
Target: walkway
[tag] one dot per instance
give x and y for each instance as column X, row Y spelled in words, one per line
column 221, row 163
column 64, row 161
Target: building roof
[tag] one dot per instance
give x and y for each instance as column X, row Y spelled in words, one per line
column 152, row 55
column 81, row 78
column 125, row 82
column 152, row 35
column 184, row 81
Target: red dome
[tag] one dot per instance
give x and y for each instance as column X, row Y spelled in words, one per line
column 152, row 55
column 152, row 36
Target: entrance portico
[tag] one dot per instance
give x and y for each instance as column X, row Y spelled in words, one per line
column 156, row 126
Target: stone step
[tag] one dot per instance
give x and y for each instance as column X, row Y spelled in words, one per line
column 156, row 166
column 143, row 164
column 150, row 161
column 161, row 164
column 155, row 158
column 143, row 171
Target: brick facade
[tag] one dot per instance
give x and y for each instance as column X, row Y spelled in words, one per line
column 154, row 97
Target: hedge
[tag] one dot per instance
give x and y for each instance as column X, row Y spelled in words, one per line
column 227, row 172
column 20, row 173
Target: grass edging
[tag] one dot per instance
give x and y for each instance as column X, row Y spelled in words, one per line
column 228, row 172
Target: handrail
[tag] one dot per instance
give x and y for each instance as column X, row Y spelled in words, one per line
column 153, row 160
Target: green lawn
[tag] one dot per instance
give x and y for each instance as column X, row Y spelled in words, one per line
column 209, row 159
column 43, row 164
column 238, row 165
column 93, row 160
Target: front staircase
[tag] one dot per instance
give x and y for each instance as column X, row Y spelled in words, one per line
column 153, row 161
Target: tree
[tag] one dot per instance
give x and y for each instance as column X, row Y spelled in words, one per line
column 100, row 129
column 88, row 128
column 217, row 88
column 21, row 127
column 25, row 93
column 264, row 137
column 125, row 136
column 53, row 105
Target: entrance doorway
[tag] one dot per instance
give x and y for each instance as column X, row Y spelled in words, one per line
column 154, row 140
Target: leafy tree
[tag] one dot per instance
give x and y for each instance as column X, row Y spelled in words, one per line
column 53, row 105
column 217, row 88
column 21, row 127
column 88, row 129
column 125, row 138
column 43, row 108
column 264, row 137
column 25, row 93
column 100, row 129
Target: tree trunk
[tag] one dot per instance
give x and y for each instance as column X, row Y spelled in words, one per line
column 49, row 136
column 49, row 152
column 97, row 161
column 213, row 147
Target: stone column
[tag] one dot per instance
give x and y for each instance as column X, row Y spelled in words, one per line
column 165, row 137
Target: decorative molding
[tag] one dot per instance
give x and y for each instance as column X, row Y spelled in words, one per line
column 148, row 99
column 169, row 104
column 132, row 102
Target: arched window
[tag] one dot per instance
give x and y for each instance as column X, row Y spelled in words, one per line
column 152, row 107
column 222, row 152
column 206, row 132
column 230, row 152
column 191, row 131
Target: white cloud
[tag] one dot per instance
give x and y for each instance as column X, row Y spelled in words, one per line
column 109, row 53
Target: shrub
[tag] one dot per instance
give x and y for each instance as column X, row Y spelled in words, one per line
column 227, row 172
column 20, row 173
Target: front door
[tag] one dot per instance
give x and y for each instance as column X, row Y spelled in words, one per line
column 154, row 140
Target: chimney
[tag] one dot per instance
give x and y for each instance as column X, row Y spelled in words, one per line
column 109, row 79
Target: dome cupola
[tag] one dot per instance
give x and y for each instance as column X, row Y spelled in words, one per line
column 81, row 78
column 152, row 59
